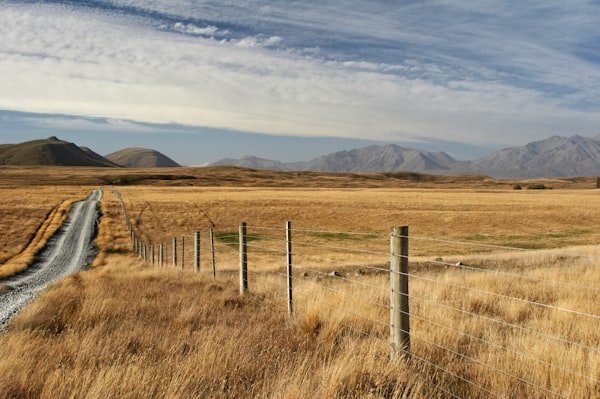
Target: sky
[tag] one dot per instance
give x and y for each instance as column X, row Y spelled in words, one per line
column 293, row 79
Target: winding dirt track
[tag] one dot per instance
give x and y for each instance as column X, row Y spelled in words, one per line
column 67, row 252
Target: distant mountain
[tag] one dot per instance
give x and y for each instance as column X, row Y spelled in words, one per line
column 51, row 152
column 369, row 159
column 141, row 158
column 253, row 162
column 552, row 157
column 382, row 159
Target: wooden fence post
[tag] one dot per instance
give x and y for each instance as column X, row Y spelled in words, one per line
column 174, row 251
column 243, row 259
column 160, row 255
column 399, row 310
column 212, row 253
column 166, row 254
column 197, row 251
column 288, row 241
column 182, row 252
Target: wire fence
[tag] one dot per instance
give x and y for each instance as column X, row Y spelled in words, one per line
column 507, row 324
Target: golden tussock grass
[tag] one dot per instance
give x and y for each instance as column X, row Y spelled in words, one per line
column 179, row 335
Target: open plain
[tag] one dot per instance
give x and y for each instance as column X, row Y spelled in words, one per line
column 132, row 329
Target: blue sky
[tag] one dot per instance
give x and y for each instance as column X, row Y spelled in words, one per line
column 292, row 80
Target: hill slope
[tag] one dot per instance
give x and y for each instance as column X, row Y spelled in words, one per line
column 50, row 152
column 141, row 158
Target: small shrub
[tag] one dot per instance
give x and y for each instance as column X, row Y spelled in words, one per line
column 538, row 186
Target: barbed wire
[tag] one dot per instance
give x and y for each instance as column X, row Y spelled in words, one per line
column 506, row 348
column 315, row 257
column 544, row 251
column 503, row 296
column 346, row 295
column 507, row 274
column 490, row 367
column 411, row 355
column 345, row 249
column 507, row 324
column 354, row 233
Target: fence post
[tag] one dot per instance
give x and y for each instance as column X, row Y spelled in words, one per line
column 182, row 252
column 399, row 310
column 288, row 240
column 212, row 252
column 197, row 251
column 174, row 251
column 243, row 259
column 160, row 255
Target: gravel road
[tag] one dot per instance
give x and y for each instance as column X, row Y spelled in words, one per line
column 67, row 252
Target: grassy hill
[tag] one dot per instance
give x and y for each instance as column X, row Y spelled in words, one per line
column 51, row 152
column 141, row 158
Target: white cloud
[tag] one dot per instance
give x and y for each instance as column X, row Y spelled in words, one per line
column 208, row 30
column 461, row 87
column 257, row 41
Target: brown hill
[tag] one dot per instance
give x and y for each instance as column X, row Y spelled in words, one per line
column 51, row 152
column 141, row 158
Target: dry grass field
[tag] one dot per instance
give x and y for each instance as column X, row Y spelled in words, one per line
column 127, row 329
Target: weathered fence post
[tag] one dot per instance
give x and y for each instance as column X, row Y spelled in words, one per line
column 243, row 259
column 182, row 252
column 174, row 251
column 197, row 251
column 212, row 253
column 160, row 255
column 288, row 241
column 399, row 310
column 166, row 254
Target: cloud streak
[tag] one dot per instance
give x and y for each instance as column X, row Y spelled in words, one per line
column 492, row 74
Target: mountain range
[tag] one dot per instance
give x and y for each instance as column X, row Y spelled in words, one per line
column 553, row 157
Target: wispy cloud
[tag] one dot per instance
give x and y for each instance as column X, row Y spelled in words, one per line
column 479, row 73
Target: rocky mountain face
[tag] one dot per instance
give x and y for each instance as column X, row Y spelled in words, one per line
column 51, row 152
column 552, row 157
column 141, row 158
